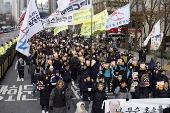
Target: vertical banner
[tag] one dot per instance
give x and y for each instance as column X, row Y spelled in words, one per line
column 155, row 34
column 155, row 31
column 31, row 25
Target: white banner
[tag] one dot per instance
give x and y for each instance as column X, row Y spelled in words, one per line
column 65, row 16
column 159, row 40
column 31, row 25
column 155, row 31
column 119, row 17
column 136, row 105
column 55, row 19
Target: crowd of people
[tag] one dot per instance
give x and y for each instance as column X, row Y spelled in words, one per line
column 56, row 62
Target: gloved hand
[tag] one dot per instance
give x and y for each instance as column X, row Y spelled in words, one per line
column 51, row 107
column 68, row 108
column 127, row 99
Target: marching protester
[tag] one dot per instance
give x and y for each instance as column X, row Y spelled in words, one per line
column 19, row 67
column 81, row 108
column 59, row 98
column 87, row 88
column 36, row 77
column 123, row 76
column 98, row 96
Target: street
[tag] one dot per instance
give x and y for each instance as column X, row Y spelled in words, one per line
column 5, row 36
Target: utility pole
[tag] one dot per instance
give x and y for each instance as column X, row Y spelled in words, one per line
column 158, row 17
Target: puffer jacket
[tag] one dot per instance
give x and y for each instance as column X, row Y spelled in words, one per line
column 122, row 93
column 162, row 93
column 98, row 97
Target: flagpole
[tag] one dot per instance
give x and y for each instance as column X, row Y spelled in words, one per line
column 158, row 17
column 91, row 34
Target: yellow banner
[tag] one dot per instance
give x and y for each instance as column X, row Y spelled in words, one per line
column 82, row 16
column 59, row 28
column 98, row 24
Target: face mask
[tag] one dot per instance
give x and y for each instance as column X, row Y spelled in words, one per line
column 119, row 78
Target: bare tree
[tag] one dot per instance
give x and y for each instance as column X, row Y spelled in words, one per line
column 165, row 17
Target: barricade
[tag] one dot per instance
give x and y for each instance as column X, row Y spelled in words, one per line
column 6, row 61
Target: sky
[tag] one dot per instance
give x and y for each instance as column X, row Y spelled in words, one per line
column 41, row 1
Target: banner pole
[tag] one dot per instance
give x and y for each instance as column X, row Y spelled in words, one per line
column 91, row 35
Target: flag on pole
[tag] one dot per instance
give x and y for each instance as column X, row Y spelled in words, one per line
column 59, row 28
column 31, row 25
column 21, row 18
column 155, row 31
column 119, row 17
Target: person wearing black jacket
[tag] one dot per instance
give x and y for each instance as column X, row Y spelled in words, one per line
column 141, row 91
column 67, row 78
column 164, row 93
column 19, row 66
column 98, row 97
column 162, row 76
column 36, row 76
column 59, row 98
column 87, row 88
column 83, row 73
column 45, row 94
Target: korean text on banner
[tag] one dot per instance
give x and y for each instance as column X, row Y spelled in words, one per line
column 60, row 28
column 98, row 24
column 155, row 31
column 31, row 25
column 55, row 19
column 65, row 16
column 136, row 105
column 119, row 17
column 155, row 34
column 76, row 5
column 83, row 16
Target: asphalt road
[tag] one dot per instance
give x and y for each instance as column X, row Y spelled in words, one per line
column 10, row 35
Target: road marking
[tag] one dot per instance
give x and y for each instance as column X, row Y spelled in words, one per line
column 75, row 92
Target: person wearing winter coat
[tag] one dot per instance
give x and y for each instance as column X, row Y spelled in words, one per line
column 100, row 79
column 19, row 67
column 45, row 95
column 67, row 78
column 81, row 108
column 83, row 74
column 98, row 96
column 122, row 92
column 107, row 77
column 55, row 78
column 87, row 88
column 36, row 76
column 59, row 98
column 164, row 93
column 141, row 91
column 162, row 76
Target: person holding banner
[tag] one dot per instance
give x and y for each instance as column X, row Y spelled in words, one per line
column 98, row 97
column 122, row 91
column 164, row 93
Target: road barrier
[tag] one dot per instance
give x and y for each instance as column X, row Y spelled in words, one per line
column 6, row 61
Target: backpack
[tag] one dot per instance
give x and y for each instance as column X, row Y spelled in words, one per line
column 133, row 85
